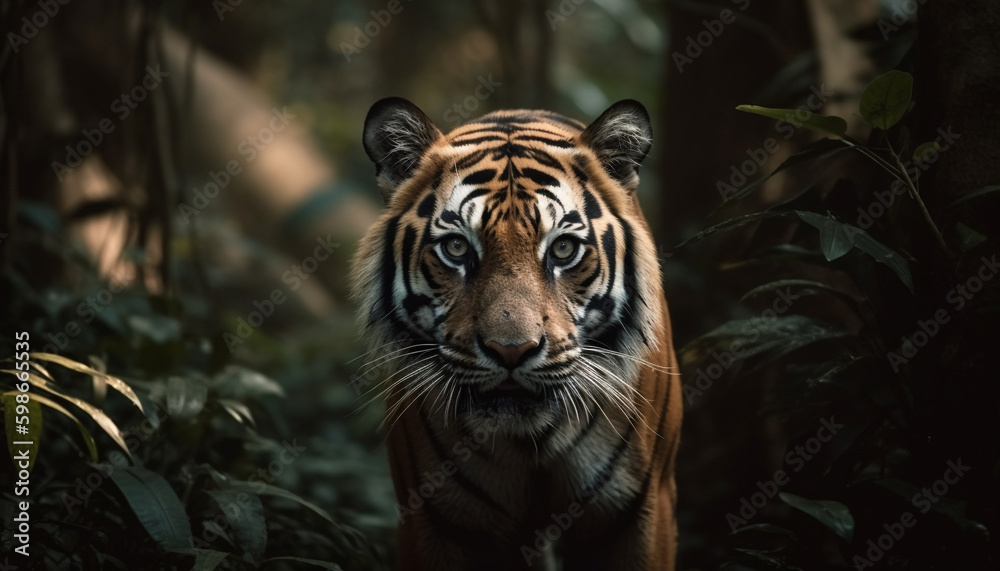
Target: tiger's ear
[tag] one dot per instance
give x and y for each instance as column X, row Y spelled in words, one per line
column 621, row 137
column 396, row 135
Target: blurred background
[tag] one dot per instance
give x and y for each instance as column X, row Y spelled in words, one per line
column 184, row 185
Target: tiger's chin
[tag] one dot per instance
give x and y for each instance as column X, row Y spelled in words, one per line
column 508, row 408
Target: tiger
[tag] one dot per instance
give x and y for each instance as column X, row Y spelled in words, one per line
column 534, row 415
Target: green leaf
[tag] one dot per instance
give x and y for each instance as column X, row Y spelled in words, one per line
column 88, row 438
column 758, row 335
column 314, row 562
column 156, row 505
column 833, row 515
column 115, row 383
column 968, row 238
column 976, row 194
column 240, row 383
column 794, row 283
column 267, row 489
column 887, row 98
column 207, row 559
column 32, row 414
column 836, row 235
column 245, row 515
column 764, row 528
column 186, row 397
column 731, row 224
column 95, row 413
column 800, row 117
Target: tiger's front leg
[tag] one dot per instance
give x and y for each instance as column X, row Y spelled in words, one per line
column 643, row 541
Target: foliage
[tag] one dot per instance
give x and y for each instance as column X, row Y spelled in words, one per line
column 186, row 461
column 858, row 486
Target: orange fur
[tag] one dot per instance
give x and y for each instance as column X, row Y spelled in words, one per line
column 576, row 435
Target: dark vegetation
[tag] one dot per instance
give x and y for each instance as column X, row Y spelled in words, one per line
column 835, row 367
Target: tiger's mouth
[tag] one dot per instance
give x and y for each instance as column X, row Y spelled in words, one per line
column 509, row 397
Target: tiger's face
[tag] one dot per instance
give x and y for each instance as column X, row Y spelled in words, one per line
column 511, row 272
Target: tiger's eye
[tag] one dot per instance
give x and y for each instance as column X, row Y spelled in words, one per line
column 456, row 247
column 563, row 248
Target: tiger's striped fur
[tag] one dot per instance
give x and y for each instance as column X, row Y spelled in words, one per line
column 514, row 278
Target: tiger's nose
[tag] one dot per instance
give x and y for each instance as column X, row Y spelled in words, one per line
column 511, row 355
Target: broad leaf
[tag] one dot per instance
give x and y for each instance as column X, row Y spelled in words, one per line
column 833, row 515
column 186, row 397
column 245, row 515
column 836, row 235
column 887, row 98
column 156, row 505
column 968, row 238
column 800, row 117
column 313, row 562
column 207, row 559
column 792, row 283
column 744, row 338
column 239, row 383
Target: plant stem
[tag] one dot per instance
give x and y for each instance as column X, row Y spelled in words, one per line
column 916, row 196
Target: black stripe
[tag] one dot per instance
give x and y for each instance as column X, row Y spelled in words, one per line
column 388, row 273
column 591, row 207
column 586, row 430
column 540, row 178
column 608, row 469
column 561, row 143
column 631, row 281
column 557, row 118
column 459, row 477
column 480, row 177
column 475, row 141
column 426, row 208
column 471, row 159
column 611, row 255
column 475, row 193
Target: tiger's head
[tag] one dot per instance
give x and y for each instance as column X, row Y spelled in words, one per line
column 512, row 273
